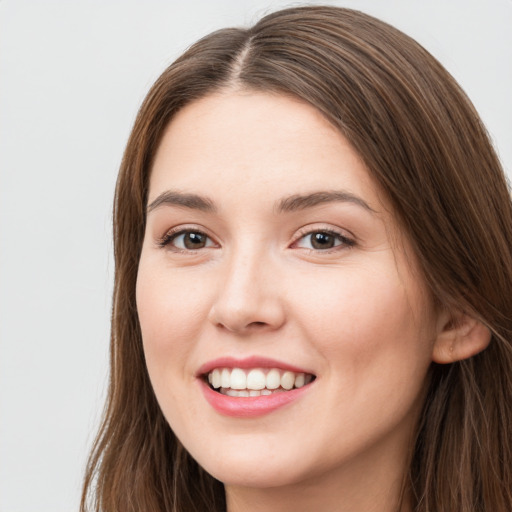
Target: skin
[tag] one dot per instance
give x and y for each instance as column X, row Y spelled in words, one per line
column 357, row 316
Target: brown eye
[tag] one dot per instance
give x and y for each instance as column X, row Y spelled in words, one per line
column 187, row 240
column 323, row 240
column 193, row 240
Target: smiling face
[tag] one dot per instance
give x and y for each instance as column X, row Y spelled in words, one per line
column 271, row 263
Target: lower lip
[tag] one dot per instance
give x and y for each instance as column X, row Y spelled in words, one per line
column 250, row 407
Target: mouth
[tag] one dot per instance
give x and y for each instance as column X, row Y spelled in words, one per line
column 253, row 386
column 255, row 382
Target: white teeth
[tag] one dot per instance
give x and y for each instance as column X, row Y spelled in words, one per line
column 240, row 393
column 256, row 382
column 288, row 380
column 273, row 379
column 225, row 378
column 238, row 379
column 216, row 378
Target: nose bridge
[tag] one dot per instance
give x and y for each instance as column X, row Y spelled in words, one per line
column 247, row 297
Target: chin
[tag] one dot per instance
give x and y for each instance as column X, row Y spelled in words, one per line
column 255, row 474
column 256, row 463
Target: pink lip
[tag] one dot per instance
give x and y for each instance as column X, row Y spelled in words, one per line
column 250, row 407
column 248, row 362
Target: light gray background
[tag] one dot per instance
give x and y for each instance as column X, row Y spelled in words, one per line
column 72, row 75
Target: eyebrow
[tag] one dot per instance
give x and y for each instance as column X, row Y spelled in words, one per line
column 175, row 198
column 302, row 202
column 288, row 204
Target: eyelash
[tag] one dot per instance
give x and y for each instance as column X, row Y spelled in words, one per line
column 172, row 235
column 345, row 242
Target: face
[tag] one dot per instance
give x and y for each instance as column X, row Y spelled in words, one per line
column 286, row 330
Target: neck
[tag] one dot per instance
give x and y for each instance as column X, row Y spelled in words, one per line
column 310, row 497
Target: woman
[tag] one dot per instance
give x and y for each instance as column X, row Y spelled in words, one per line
column 312, row 303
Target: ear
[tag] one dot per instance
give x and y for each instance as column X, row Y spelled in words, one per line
column 460, row 336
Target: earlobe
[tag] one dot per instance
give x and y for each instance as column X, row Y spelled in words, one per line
column 460, row 337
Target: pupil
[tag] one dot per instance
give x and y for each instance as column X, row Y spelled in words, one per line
column 322, row 241
column 194, row 241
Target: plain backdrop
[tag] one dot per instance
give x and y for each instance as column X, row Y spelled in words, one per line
column 72, row 76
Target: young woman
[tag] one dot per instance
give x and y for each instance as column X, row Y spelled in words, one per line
column 312, row 306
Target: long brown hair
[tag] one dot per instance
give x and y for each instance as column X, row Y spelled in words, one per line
column 424, row 144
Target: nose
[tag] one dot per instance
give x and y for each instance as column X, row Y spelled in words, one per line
column 249, row 298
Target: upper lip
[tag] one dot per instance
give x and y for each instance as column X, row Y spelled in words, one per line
column 248, row 362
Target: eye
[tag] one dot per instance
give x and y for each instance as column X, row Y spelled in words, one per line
column 187, row 240
column 322, row 240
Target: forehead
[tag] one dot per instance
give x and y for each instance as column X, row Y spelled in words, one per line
column 241, row 142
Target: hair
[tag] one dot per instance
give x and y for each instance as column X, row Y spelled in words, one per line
column 426, row 148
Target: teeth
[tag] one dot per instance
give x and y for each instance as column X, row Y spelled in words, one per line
column 250, row 392
column 238, row 379
column 273, row 379
column 288, row 380
column 225, row 378
column 256, row 382
column 216, row 378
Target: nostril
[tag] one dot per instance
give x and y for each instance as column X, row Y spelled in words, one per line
column 245, row 316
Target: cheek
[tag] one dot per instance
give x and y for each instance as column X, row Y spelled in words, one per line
column 168, row 304
column 169, row 309
column 368, row 321
column 372, row 332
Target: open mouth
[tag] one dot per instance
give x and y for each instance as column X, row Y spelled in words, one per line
column 238, row 382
